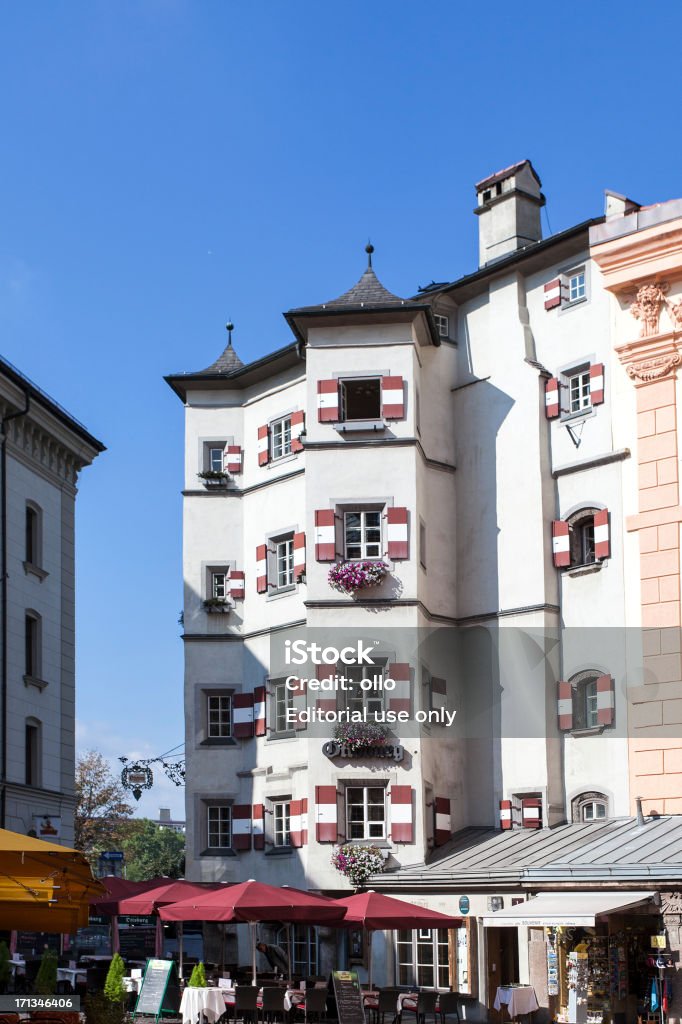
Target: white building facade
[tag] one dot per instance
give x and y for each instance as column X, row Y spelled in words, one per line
column 464, row 437
column 43, row 449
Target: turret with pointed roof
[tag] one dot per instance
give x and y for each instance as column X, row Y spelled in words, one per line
column 229, row 361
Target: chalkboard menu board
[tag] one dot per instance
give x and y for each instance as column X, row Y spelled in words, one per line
column 349, row 1005
column 160, row 991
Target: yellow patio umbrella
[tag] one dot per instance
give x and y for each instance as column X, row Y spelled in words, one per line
column 43, row 886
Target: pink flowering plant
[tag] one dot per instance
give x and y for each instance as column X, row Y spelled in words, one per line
column 357, row 863
column 359, row 736
column 352, row 576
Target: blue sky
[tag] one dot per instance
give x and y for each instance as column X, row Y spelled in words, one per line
column 168, row 164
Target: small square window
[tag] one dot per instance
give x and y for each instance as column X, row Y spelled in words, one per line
column 280, row 438
column 219, row 826
column 360, row 398
column 219, row 714
column 593, row 810
column 215, row 460
column 442, row 324
column 219, row 585
column 362, row 535
column 576, row 286
column 579, row 391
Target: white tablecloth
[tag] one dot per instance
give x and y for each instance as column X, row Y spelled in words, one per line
column 519, row 1000
column 17, row 967
column 131, row 984
column 206, row 1001
column 72, row 975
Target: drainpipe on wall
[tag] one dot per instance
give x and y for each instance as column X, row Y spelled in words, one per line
column 3, row 588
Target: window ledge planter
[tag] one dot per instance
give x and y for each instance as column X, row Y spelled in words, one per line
column 212, row 478
column 351, row 577
column 217, row 606
column 358, row 863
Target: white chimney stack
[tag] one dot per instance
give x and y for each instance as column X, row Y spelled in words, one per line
column 509, row 204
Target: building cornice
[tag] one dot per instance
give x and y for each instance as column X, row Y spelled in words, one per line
column 649, row 253
column 599, row 460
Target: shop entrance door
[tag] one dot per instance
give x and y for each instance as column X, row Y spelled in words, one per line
column 503, row 963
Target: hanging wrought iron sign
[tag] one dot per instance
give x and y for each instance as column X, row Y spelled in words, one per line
column 136, row 777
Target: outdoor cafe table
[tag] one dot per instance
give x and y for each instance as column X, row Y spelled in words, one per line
column 371, row 1000
column 72, row 975
column 519, row 999
column 202, row 1002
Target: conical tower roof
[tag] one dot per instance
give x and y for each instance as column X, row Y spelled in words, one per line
column 367, row 293
column 229, row 361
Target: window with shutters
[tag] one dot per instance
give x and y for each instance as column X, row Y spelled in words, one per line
column 215, row 460
column 282, row 702
column 362, row 535
column 281, row 563
column 368, row 701
column 219, row 584
column 585, row 701
column 281, row 816
column 576, row 286
column 360, row 398
column 365, row 812
column 280, row 438
column 581, row 537
column 218, row 716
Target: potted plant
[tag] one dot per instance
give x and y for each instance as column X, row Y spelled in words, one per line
column 217, row 605
column 46, row 979
column 198, row 976
column 349, row 577
column 357, row 863
column 214, row 477
column 359, row 736
column 113, row 986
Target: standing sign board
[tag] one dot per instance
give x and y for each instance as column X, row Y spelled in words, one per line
column 349, row 1005
column 160, row 991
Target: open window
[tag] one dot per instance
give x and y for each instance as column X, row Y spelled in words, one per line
column 360, row 398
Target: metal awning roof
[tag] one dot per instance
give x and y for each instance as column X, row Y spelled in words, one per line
column 566, row 909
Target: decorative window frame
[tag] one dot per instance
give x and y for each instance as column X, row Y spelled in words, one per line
column 578, row 682
column 579, row 801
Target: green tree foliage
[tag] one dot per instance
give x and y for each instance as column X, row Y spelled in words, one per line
column 113, row 986
column 46, row 979
column 102, row 810
column 152, row 850
column 198, row 978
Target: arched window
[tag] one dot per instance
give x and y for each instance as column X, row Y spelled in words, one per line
column 33, row 734
column 590, row 806
column 34, row 534
column 581, row 537
column 585, row 701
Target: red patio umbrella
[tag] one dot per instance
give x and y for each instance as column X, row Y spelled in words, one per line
column 256, row 901
column 376, row 912
column 166, row 890
column 117, row 889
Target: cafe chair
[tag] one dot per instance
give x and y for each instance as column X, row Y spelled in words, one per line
column 424, row 1005
column 314, row 1004
column 387, row 1003
column 246, row 1002
column 272, row 1007
column 448, row 1006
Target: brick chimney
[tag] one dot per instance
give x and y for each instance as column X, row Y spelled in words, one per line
column 509, row 204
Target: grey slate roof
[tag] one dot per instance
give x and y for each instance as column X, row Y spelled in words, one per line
column 228, row 362
column 615, row 849
column 367, row 293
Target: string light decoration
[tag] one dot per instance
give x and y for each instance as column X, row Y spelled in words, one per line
column 137, row 775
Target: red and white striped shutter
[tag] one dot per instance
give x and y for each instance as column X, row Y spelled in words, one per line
column 397, row 533
column 564, row 702
column 259, row 703
column 597, row 383
column 299, row 690
column 506, row 814
column 443, row 829
column 399, row 698
column 328, row 401
column 232, row 459
column 602, row 535
column 439, row 693
column 561, row 550
column 402, row 820
column 241, row 826
column 237, row 584
column 298, row 822
column 392, row 398
column 258, row 826
column 531, row 812
column 326, row 817
column 242, row 715
column 263, row 445
column 262, row 568
column 299, row 555
column 325, row 703
column 325, row 535
column 553, row 293
column 552, row 398
column 606, row 700
column 297, row 428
